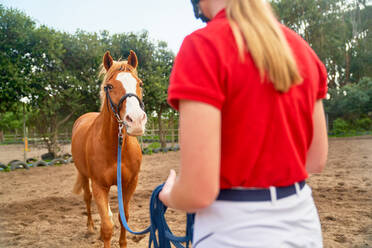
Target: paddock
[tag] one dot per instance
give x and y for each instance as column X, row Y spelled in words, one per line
column 37, row 208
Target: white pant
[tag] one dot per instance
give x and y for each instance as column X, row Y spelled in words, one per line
column 289, row 222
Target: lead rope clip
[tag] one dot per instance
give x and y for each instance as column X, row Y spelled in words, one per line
column 121, row 126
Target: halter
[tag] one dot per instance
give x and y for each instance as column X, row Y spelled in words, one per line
column 116, row 108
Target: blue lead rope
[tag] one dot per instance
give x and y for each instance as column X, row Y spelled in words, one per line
column 160, row 234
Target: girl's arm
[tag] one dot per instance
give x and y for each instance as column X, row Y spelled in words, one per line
column 317, row 153
column 197, row 185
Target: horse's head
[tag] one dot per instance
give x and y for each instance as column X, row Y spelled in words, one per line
column 121, row 91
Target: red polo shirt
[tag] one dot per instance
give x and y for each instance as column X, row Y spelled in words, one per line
column 265, row 134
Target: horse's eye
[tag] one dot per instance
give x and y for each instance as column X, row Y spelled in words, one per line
column 140, row 83
column 110, row 87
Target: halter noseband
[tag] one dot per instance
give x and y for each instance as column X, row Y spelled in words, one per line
column 116, row 108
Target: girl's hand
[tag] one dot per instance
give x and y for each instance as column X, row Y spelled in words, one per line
column 164, row 194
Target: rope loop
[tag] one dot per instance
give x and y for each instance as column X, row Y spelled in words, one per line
column 160, row 234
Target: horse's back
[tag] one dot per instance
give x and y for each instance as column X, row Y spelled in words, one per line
column 80, row 132
column 84, row 121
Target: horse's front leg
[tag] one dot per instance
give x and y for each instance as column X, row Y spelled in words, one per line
column 88, row 200
column 101, row 197
column 128, row 190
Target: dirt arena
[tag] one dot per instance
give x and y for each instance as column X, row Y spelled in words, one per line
column 37, row 208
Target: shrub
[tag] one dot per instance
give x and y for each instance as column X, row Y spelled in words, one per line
column 154, row 145
column 363, row 124
column 340, row 126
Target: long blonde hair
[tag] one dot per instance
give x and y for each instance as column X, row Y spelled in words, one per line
column 256, row 30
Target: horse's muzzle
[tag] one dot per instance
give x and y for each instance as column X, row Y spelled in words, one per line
column 135, row 123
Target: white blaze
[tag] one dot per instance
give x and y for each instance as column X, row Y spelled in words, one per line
column 130, row 85
column 133, row 110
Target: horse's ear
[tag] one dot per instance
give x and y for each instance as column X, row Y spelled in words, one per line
column 132, row 59
column 107, row 60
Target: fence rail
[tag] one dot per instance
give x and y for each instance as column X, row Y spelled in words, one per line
column 150, row 136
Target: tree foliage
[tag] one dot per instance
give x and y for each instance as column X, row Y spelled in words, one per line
column 56, row 73
column 338, row 30
column 155, row 93
column 14, row 36
column 351, row 101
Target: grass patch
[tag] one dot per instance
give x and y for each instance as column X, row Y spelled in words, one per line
column 350, row 134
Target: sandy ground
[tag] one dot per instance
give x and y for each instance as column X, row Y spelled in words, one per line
column 37, row 208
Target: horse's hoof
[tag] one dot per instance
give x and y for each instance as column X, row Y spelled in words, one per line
column 88, row 235
column 123, row 244
column 90, row 226
column 137, row 238
column 91, row 229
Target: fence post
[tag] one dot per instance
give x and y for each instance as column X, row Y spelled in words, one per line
column 24, row 135
column 173, row 139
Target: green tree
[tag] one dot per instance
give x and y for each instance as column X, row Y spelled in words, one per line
column 319, row 23
column 338, row 31
column 360, row 24
column 351, row 101
column 82, row 58
column 15, row 34
column 51, row 96
column 155, row 90
column 10, row 121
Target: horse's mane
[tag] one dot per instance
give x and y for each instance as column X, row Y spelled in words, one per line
column 120, row 65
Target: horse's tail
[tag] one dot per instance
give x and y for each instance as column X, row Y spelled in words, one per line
column 78, row 187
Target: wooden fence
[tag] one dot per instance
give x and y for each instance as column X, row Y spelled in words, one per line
column 150, row 136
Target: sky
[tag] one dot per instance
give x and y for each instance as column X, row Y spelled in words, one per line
column 166, row 20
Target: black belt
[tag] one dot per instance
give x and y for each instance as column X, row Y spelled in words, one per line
column 257, row 194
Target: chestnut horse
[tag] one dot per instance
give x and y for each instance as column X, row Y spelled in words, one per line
column 95, row 141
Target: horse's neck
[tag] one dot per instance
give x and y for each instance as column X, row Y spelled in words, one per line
column 109, row 128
